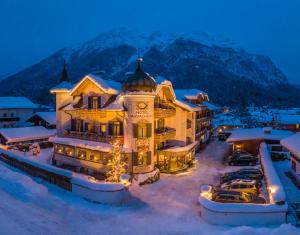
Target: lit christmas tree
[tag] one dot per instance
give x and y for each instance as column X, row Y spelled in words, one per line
column 116, row 164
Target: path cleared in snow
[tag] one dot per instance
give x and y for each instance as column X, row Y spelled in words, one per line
column 31, row 206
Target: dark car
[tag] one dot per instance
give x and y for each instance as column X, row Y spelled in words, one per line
column 227, row 178
column 222, row 136
column 252, row 173
column 277, row 156
column 236, row 197
column 242, row 160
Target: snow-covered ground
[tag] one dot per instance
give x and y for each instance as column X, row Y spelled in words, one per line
column 31, row 206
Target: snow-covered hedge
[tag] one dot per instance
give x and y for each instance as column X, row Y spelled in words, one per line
column 275, row 188
column 242, row 213
column 40, row 165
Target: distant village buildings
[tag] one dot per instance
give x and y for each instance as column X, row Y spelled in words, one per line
column 14, row 111
column 158, row 126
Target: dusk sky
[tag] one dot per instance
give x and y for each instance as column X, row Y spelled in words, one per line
column 33, row 29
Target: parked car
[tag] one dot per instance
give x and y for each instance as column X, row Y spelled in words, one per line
column 278, row 156
column 236, row 197
column 241, row 185
column 242, row 160
column 222, row 136
column 236, row 176
column 252, row 173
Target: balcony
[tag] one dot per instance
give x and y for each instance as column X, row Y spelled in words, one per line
column 163, row 110
column 203, row 115
column 92, row 136
column 163, row 134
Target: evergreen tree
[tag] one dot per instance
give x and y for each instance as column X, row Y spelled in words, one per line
column 116, row 164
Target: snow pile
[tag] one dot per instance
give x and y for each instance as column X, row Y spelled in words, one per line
column 292, row 143
column 21, row 134
column 146, row 178
column 16, row 103
column 275, row 188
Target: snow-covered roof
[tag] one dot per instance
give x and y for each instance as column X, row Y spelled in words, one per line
column 49, row 117
column 21, row 134
column 176, row 149
column 211, row 106
column 109, row 86
column 226, row 120
column 288, row 119
column 106, row 84
column 292, row 143
column 16, row 103
column 63, row 86
column 93, row 145
column 257, row 133
column 116, row 105
column 188, row 93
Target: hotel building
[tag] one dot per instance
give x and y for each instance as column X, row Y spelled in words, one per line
column 158, row 126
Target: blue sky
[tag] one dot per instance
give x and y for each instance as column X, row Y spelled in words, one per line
column 33, row 29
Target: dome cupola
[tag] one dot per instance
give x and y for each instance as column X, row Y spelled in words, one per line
column 139, row 80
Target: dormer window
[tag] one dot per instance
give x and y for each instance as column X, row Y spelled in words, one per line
column 94, row 102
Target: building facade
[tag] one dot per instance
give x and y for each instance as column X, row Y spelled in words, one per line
column 156, row 125
column 14, row 111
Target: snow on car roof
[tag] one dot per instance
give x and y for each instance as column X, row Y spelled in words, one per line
column 257, row 133
column 20, row 134
column 292, row 143
column 16, row 102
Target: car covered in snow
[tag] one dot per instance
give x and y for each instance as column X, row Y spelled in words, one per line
column 241, row 185
column 236, row 197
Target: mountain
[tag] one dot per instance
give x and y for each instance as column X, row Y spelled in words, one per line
column 231, row 76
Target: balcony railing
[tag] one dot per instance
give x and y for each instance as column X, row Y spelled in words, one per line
column 163, row 134
column 92, row 136
column 163, row 110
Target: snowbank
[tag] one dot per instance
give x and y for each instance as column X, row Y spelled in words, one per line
column 292, row 143
column 82, row 185
column 275, row 188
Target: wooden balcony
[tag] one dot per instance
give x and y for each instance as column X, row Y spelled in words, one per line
column 163, row 111
column 164, row 134
column 92, row 136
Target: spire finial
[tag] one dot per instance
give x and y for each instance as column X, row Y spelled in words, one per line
column 64, row 75
column 138, row 63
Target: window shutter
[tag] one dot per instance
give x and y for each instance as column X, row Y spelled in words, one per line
column 110, row 128
column 148, row 158
column 135, row 159
column 73, row 124
column 81, row 126
column 121, row 128
column 99, row 102
column 135, row 130
column 149, row 130
column 86, row 126
column 89, row 102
